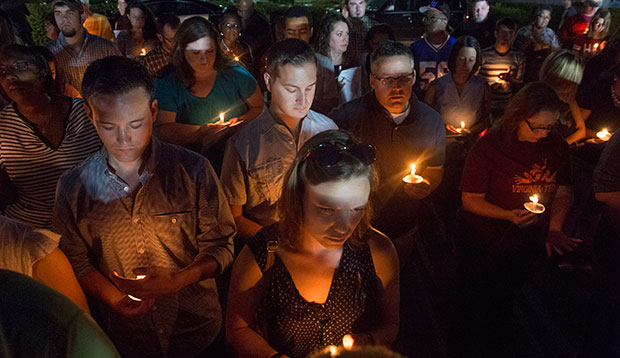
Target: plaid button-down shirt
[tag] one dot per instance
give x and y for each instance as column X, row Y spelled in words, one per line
column 180, row 212
column 155, row 60
column 71, row 63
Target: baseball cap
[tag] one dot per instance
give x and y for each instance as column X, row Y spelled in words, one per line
column 595, row 3
column 71, row 4
column 436, row 6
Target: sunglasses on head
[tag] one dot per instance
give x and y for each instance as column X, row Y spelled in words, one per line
column 328, row 154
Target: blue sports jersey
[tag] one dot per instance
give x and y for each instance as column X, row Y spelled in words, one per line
column 430, row 62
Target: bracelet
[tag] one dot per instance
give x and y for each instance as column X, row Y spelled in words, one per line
column 277, row 355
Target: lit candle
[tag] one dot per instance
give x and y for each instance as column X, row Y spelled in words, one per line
column 534, row 206
column 595, row 47
column 333, row 351
column 462, row 130
column 236, row 58
column 221, row 117
column 604, row 135
column 412, row 178
column 143, row 52
column 138, row 277
column 347, row 342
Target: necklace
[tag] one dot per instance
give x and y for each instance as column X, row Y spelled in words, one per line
column 615, row 98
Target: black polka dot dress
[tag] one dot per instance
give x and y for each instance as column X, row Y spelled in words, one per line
column 297, row 327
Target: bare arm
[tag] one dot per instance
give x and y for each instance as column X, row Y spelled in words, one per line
column 385, row 259
column 255, row 105
column 166, row 128
column 611, row 199
column 580, row 124
column 246, row 228
column 556, row 239
column 477, row 204
column 244, row 296
column 55, row 271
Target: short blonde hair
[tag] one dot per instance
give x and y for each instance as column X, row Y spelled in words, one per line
column 562, row 65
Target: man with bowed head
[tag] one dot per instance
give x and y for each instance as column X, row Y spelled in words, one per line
column 257, row 158
column 144, row 223
column 478, row 24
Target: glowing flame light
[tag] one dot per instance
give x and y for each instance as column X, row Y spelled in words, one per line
column 412, row 172
column 347, row 340
column 143, row 52
column 222, row 117
column 534, row 199
column 236, row 58
column 462, row 125
column 604, row 134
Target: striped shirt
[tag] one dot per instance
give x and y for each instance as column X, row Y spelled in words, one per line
column 71, row 64
column 34, row 166
column 495, row 63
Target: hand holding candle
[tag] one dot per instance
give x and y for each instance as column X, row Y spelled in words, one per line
column 534, row 206
column 462, row 129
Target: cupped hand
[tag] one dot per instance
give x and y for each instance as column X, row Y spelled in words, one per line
column 522, row 217
column 157, row 281
column 451, row 128
column 418, row 191
column 129, row 307
column 560, row 243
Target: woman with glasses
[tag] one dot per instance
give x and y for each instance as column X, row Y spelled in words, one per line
column 522, row 156
column 230, row 31
column 142, row 37
column 204, row 87
column 322, row 272
column 461, row 96
column 332, row 55
column 42, row 134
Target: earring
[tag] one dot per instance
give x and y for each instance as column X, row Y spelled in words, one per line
column 221, row 34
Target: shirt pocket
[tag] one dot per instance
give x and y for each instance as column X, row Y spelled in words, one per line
column 176, row 231
column 267, row 180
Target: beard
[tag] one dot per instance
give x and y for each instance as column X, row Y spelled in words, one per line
column 68, row 32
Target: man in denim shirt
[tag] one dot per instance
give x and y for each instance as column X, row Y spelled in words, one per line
column 257, row 158
column 144, row 223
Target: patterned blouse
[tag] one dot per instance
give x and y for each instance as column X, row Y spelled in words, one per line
column 297, row 327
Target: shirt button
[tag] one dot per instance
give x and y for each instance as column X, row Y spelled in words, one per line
column 136, row 220
column 173, row 220
column 126, row 189
column 141, row 251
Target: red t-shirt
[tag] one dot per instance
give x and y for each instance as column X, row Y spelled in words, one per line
column 510, row 173
column 587, row 47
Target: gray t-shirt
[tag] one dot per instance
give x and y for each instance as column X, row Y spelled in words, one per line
column 21, row 246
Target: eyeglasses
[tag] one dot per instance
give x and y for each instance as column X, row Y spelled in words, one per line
column 541, row 128
column 232, row 26
column 393, row 81
column 328, row 154
column 20, row 66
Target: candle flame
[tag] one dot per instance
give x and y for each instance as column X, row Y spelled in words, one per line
column 462, row 124
column 347, row 342
column 221, row 116
column 140, row 277
column 534, row 199
column 236, row 58
column 143, row 52
column 333, row 350
column 412, row 169
column 595, row 46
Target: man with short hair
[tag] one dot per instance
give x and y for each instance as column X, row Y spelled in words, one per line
column 431, row 52
column 569, row 11
column 160, row 56
column 75, row 48
column 404, row 131
column 478, row 24
column 257, row 158
column 503, row 67
column 255, row 31
column 96, row 24
column 298, row 23
column 578, row 24
column 359, row 24
column 144, row 223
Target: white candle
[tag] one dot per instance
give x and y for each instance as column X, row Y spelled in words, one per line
column 533, row 205
column 413, row 178
column 604, row 135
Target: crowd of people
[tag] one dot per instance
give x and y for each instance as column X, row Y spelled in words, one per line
column 250, row 188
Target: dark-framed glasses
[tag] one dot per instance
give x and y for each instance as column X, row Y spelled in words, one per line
column 540, row 128
column 392, row 81
column 17, row 67
column 328, row 154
